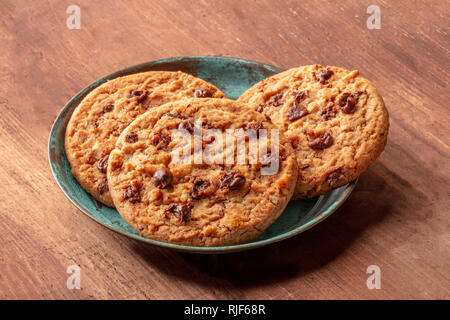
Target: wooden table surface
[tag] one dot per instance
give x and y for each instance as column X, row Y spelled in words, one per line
column 397, row 217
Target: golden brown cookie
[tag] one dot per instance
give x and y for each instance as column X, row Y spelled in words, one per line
column 334, row 118
column 213, row 203
column 106, row 111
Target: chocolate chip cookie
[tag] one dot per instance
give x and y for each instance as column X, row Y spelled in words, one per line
column 106, row 111
column 334, row 118
column 208, row 186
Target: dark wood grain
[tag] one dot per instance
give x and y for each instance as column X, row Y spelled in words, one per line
column 397, row 217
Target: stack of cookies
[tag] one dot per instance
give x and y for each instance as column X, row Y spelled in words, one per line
column 157, row 147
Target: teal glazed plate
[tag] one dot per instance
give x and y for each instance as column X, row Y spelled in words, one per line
column 232, row 76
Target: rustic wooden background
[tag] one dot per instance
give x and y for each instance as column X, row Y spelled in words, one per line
column 397, row 217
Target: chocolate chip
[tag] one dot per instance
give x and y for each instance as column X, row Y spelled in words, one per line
column 108, row 108
column 180, row 210
column 347, row 105
column 201, row 188
column 358, row 94
column 102, row 187
column 256, row 125
column 299, row 96
column 335, row 177
column 203, row 93
column 323, row 76
column 132, row 137
column 322, row 142
column 162, row 178
column 134, row 93
column 160, row 140
column 206, row 125
column 140, row 94
column 260, row 108
column 348, row 101
column 209, row 139
column 91, row 160
column 296, row 111
column 132, row 194
column 186, row 125
column 233, row 180
column 102, row 164
column 276, row 100
column 328, row 112
column 267, row 159
column 174, row 115
column 237, row 182
column 155, row 139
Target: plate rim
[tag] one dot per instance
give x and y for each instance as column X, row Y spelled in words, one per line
column 348, row 188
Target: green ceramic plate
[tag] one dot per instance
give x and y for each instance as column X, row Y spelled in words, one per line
column 232, row 76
